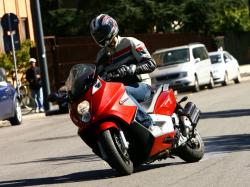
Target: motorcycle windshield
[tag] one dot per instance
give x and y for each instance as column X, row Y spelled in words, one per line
column 80, row 78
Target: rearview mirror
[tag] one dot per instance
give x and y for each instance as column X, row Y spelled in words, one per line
column 197, row 60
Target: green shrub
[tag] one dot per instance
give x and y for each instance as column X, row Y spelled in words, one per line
column 22, row 58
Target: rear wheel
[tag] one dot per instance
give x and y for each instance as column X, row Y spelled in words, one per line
column 238, row 79
column 193, row 150
column 116, row 154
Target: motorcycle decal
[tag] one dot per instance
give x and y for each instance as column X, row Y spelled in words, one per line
column 126, row 100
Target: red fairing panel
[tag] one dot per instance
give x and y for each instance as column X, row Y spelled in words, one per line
column 165, row 103
column 106, row 103
column 158, row 144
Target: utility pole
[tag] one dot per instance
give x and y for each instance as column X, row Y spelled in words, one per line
column 38, row 29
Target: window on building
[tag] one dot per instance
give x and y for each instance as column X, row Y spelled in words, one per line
column 24, row 34
column 1, row 39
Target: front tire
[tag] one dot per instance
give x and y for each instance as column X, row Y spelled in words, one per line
column 116, row 154
column 17, row 118
column 196, row 87
column 193, row 150
column 226, row 80
column 211, row 82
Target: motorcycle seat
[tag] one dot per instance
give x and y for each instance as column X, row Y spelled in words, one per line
column 149, row 104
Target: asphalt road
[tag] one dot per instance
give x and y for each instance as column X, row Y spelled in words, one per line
column 46, row 151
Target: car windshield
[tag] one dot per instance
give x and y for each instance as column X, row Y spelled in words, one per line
column 176, row 56
column 215, row 58
column 80, row 78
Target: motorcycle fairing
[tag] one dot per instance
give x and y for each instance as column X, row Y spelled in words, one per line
column 140, row 142
column 162, row 143
column 111, row 100
column 165, row 103
column 144, row 145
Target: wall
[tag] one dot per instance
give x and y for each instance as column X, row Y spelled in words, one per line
column 238, row 44
column 22, row 9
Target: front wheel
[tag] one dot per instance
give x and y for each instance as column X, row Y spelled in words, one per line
column 17, row 118
column 115, row 153
column 211, row 82
column 193, row 150
column 226, row 80
column 196, row 87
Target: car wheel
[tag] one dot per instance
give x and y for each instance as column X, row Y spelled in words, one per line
column 196, row 87
column 211, row 82
column 17, row 118
column 226, row 80
column 238, row 79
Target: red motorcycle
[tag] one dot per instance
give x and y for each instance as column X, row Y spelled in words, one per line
column 105, row 116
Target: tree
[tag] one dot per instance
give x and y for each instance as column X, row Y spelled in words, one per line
column 22, row 59
column 142, row 16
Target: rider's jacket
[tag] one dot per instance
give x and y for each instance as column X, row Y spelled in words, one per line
column 128, row 51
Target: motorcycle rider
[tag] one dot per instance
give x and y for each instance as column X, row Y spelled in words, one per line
column 124, row 59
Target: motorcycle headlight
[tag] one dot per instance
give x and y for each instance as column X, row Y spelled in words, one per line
column 83, row 111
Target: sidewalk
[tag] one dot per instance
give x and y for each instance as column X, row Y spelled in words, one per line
column 245, row 70
column 32, row 115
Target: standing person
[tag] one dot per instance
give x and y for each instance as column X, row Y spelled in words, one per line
column 124, row 59
column 34, row 78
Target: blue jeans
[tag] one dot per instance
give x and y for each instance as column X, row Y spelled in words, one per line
column 140, row 92
column 37, row 95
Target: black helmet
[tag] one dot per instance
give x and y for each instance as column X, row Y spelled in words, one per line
column 103, row 29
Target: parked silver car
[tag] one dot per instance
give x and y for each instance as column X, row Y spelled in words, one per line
column 183, row 67
column 9, row 105
column 225, row 67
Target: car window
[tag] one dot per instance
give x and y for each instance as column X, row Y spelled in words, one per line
column 215, row 59
column 200, row 52
column 226, row 57
column 158, row 59
column 176, row 56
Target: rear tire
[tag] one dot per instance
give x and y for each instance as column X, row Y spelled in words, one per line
column 117, row 155
column 238, row 79
column 193, row 150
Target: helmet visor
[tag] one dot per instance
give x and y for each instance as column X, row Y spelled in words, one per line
column 101, row 36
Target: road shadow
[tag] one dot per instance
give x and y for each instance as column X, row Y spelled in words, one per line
column 147, row 167
column 70, row 178
column 227, row 143
column 78, row 176
column 54, row 138
column 78, row 158
column 226, row 113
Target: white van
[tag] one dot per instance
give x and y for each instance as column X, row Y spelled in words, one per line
column 183, row 67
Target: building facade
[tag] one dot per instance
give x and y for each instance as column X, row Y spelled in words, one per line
column 22, row 9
